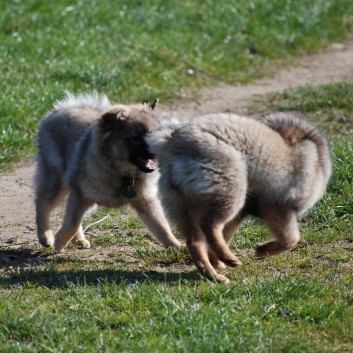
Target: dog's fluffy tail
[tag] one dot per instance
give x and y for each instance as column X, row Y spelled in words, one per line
column 160, row 136
column 295, row 130
column 91, row 99
column 292, row 128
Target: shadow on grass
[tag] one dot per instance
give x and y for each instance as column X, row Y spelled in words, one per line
column 22, row 268
column 10, row 258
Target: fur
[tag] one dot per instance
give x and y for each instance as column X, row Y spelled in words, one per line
column 96, row 153
column 220, row 168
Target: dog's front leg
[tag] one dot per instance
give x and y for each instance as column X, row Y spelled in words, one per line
column 75, row 209
column 151, row 214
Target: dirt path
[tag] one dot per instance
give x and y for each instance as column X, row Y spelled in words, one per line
column 17, row 227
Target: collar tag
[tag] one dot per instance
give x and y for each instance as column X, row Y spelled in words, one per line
column 129, row 191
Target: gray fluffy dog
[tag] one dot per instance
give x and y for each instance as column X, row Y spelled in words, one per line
column 97, row 154
column 220, row 168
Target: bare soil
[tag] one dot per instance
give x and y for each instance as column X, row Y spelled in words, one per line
column 17, row 223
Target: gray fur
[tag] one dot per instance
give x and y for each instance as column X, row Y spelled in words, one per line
column 219, row 168
column 86, row 150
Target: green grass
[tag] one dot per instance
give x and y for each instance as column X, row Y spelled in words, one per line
column 143, row 298
column 331, row 105
column 140, row 50
column 264, row 314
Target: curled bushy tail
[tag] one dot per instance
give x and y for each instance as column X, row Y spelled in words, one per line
column 159, row 137
column 292, row 128
column 91, row 99
column 295, row 130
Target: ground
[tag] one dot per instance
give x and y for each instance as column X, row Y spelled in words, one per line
column 17, row 223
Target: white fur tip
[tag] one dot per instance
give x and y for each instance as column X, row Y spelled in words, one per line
column 170, row 124
column 93, row 99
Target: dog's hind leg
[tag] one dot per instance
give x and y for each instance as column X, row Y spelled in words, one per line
column 228, row 232
column 75, row 209
column 44, row 232
column 215, row 261
column 196, row 242
column 230, row 227
column 215, row 215
column 214, row 235
column 47, row 198
column 197, row 246
column 284, row 226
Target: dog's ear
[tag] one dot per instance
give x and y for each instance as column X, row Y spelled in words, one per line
column 113, row 120
column 154, row 105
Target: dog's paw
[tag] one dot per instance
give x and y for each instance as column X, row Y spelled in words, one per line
column 222, row 279
column 176, row 244
column 46, row 239
column 179, row 245
column 220, row 265
column 58, row 247
column 83, row 243
column 232, row 262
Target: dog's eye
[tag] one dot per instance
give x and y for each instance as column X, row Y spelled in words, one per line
column 136, row 139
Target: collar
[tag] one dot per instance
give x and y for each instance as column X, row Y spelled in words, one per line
column 129, row 187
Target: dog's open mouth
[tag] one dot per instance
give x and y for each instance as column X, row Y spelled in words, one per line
column 146, row 165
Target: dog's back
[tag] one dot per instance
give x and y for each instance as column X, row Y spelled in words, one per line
column 287, row 158
column 219, row 168
column 62, row 127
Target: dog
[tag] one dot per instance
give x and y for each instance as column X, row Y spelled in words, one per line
column 220, row 168
column 95, row 153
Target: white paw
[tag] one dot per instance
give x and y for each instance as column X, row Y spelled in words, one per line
column 47, row 239
column 82, row 243
column 220, row 265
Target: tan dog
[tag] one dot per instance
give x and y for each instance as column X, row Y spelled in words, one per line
column 97, row 154
column 220, row 168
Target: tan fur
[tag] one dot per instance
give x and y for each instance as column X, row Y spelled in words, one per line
column 218, row 169
column 93, row 152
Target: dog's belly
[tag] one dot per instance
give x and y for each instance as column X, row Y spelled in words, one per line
column 252, row 207
column 111, row 203
column 106, row 198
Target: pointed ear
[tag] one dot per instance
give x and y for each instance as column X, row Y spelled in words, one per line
column 154, row 105
column 111, row 120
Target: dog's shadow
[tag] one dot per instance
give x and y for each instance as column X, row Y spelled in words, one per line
column 22, row 266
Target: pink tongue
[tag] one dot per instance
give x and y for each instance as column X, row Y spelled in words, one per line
column 150, row 164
